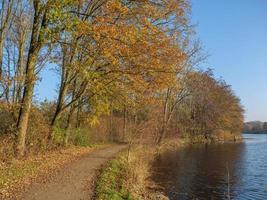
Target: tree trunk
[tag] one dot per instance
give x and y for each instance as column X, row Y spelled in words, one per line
column 36, row 43
column 162, row 131
column 20, row 70
column 162, row 134
column 26, row 103
column 70, row 118
column 78, row 117
column 124, row 123
column 64, row 83
column 111, row 130
column 60, row 101
column 69, row 124
column 4, row 24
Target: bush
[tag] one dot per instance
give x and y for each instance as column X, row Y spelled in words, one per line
column 38, row 131
column 81, row 137
column 58, row 135
column 7, row 119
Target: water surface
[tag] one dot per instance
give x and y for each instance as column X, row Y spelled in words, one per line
column 216, row 171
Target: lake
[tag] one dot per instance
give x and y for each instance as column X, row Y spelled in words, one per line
column 215, row 171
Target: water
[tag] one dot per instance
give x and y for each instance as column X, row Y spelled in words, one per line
column 215, row 171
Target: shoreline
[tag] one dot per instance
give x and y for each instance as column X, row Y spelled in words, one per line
column 128, row 170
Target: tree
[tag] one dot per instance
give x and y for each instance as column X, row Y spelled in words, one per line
column 45, row 14
column 104, row 47
column 6, row 13
column 206, row 107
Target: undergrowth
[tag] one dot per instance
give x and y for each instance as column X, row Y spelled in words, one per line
column 110, row 182
column 127, row 176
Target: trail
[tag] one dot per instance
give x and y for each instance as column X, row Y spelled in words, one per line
column 75, row 181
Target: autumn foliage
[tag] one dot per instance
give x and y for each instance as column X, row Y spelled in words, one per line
column 120, row 63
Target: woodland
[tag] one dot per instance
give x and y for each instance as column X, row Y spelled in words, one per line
column 255, row 127
column 128, row 70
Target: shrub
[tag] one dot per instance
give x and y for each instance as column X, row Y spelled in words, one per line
column 38, row 131
column 81, row 137
column 58, row 135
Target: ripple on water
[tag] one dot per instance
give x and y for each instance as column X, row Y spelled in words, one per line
column 201, row 172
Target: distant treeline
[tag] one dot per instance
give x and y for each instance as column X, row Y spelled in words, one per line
column 255, row 126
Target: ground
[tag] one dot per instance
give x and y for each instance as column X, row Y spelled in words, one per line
column 75, row 181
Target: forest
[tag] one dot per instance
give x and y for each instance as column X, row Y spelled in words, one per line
column 128, row 70
column 255, row 127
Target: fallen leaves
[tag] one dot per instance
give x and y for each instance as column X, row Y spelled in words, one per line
column 17, row 175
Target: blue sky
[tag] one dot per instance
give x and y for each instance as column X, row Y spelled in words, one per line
column 234, row 33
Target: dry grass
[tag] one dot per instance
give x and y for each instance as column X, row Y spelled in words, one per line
column 171, row 144
column 127, row 176
column 138, row 165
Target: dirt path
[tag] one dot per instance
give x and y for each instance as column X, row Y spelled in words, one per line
column 75, row 181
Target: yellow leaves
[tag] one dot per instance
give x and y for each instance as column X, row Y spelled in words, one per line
column 82, row 28
column 116, row 7
column 100, row 106
column 125, row 51
column 93, row 120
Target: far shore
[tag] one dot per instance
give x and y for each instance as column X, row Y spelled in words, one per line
column 255, row 132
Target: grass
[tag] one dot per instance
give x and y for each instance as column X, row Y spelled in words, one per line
column 127, row 176
column 110, row 182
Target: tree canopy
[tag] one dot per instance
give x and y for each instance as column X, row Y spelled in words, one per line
column 127, row 62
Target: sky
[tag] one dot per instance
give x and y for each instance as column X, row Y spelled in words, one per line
column 234, row 34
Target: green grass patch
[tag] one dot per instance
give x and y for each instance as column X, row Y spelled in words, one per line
column 110, row 183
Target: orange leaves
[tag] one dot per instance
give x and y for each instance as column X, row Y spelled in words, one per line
column 82, row 28
column 115, row 7
column 133, row 46
column 214, row 104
